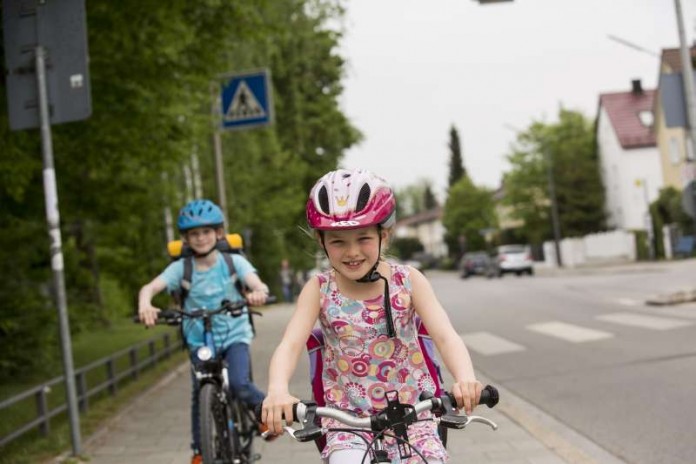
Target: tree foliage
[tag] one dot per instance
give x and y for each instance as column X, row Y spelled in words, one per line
column 467, row 212
column 415, row 198
column 456, row 161
column 153, row 69
column 567, row 150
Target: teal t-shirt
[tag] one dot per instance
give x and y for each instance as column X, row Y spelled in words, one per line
column 208, row 289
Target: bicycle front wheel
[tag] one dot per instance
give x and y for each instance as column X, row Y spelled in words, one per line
column 215, row 442
column 245, row 429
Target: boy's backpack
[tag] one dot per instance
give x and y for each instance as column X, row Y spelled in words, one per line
column 231, row 244
column 315, row 350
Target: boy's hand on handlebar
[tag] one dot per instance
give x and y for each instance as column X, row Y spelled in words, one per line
column 148, row 315
column 468, row 394
column 257, row 297
column 276, row 408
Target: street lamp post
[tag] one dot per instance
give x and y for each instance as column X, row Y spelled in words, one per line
column 555, row 222
column 688, row 79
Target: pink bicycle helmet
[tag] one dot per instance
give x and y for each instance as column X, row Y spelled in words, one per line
column 350, row 199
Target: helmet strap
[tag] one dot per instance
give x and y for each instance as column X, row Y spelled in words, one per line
column 206, row 253
column 373, row 275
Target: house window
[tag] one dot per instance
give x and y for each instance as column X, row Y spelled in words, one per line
column 646, row 118
column 674, row 150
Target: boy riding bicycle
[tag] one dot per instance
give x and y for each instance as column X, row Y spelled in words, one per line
column 201, row 224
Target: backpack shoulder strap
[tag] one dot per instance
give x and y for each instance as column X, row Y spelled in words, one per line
column 227, row 256
column 315, row 350
column 186, row 278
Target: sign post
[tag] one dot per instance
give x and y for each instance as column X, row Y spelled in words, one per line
column 48, row 83
column 244, row 103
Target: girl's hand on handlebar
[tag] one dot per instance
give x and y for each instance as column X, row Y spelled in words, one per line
column 148, row 315
column 276, row 407
column 468, row 394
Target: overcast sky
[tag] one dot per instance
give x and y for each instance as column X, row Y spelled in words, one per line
column 415, row 67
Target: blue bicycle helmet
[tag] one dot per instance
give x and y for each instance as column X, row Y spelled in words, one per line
column 200, row 213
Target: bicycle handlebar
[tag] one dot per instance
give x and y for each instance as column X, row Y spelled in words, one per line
column 394, row 415
column 175, row 316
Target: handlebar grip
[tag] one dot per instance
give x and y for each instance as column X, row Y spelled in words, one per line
column 257, row 412
column 489, row 396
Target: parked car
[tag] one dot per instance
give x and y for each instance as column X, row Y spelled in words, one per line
column 477, row 263
column 514, row 259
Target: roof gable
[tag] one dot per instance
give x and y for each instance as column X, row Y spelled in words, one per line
column 623, row 109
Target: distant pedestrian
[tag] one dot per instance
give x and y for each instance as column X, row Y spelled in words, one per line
column 286, row 276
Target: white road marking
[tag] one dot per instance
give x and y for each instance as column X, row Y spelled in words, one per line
column 487, row 344
column 647, row 322
column 569, row 332
column 628, row 302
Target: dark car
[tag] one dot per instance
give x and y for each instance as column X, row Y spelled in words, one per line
column 477, row 263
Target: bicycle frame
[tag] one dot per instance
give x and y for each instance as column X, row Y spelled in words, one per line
column 224, row 420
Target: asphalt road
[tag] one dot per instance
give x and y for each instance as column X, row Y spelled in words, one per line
column 585, row 348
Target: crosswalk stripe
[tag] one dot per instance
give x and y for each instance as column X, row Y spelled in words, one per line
column 569, row 332
column 647, row 322
column 487, row 344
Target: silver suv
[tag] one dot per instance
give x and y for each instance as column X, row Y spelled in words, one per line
column 514, row 258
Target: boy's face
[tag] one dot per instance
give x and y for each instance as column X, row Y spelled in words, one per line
column 202, row 239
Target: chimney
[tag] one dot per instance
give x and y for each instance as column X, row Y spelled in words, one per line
column 636, row 87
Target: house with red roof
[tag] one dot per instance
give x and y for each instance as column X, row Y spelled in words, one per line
column 629, row 158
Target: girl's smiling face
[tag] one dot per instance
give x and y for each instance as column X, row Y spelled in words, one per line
column 353, row 252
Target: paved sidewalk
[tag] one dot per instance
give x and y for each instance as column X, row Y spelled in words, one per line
column 154, row 428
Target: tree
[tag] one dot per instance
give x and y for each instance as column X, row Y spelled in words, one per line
column 415, row 198
column 429, row 200
column 151, row 68
column 467, row 211
column 570, row 144
column 456, row 163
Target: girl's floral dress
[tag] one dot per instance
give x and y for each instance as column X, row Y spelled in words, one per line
column 361, row 362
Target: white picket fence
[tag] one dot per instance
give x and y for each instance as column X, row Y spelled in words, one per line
column 618, row 246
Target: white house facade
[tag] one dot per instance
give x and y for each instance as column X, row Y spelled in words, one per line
column 427, row 228
column 630, row 161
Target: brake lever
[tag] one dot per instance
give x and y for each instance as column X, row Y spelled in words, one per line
column 453, row 421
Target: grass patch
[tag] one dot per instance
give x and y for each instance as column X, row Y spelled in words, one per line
column 87, row 348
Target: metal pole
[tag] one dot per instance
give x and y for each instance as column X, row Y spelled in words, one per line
column 554, row 207
column 648, row 221
column 53, row 219
column 688, row 79
column 217, row 146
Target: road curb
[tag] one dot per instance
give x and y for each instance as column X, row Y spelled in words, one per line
column 565, row 442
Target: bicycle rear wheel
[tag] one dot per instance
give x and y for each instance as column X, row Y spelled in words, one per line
column 215, row 442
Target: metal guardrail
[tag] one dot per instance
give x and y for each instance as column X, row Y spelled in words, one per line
column 85, row 391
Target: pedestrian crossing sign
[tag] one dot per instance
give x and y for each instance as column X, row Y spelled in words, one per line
column 245, row 100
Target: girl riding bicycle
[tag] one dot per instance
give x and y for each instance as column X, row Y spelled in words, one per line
column 366, row 308
column 201, row 224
